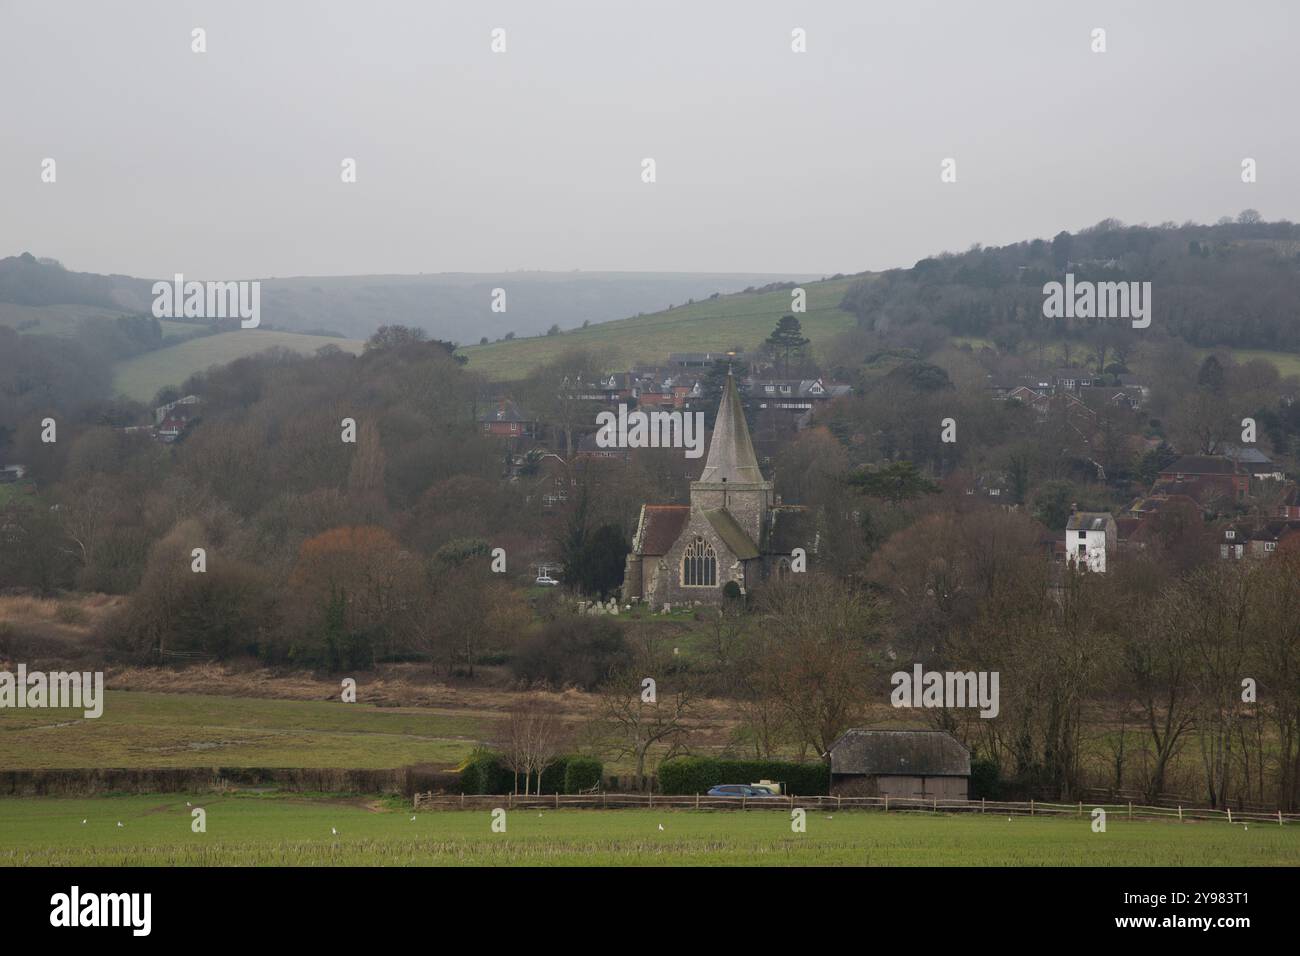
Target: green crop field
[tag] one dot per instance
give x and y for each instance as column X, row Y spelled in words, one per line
column 191, row 730
column 297, row 830
column 142, row 376
column 740, row 320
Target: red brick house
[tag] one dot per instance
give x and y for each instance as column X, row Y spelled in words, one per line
column 507, row 421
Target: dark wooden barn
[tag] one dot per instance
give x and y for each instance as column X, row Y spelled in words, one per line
column 926, row 764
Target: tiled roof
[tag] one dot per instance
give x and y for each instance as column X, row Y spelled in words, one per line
column 1201, row 465
column 733, row 535
column 1088, row 521
column 908, row 752
column 663, row 526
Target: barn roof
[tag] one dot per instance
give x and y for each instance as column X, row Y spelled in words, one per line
column 928, row 753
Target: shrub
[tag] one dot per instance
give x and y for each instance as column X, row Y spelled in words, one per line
column 687, row 775
column 985, row 779
column 578, row 651
column 485, row 773
column 70, row 614
column 582, row 773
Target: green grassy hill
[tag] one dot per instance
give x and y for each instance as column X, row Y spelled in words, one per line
column 141, row 377
column 739, row 320
column 64, row 321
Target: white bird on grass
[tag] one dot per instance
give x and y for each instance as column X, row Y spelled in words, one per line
column 83, row 821
column 119, row 822
column 188, row 804
column 661, row 826
column 412, row 818
column 334, row 831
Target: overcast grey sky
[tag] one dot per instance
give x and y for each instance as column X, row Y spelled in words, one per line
column 227, row 164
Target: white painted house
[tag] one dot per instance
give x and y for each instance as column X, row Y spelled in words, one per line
column 1090, row 537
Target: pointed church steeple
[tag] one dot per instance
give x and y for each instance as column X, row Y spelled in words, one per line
column 731, row 453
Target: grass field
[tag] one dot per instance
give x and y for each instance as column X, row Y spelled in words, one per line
column 142, row 376
column 192, row 730
column 12, row 491
column 296, row 830
column 742, row 320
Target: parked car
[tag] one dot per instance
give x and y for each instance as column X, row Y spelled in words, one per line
column 547, row 580
column 739, row 790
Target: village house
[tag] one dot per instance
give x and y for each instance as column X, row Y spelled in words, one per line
column 1089, row 537
column 1216, row 482
column 1265, row 540
column 183, row 408
column 909, row 764
column 507, row 421
column 733, row 530
column 682, row 360
column 1233, row 541
column 1289, row 506
column 1254, row 462
column 793, row 395
column 589, row 448
column 1072, row 379
column 552, row 481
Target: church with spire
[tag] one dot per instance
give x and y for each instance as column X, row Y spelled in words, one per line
column 733, row 530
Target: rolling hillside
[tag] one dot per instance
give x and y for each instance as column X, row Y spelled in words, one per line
column 141, row 377
column 740, row 320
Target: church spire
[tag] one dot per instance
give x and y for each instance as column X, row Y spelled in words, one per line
column 731, row 454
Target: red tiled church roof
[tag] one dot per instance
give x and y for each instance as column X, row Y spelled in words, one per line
column 663, row 526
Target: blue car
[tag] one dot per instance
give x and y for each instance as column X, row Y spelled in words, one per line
column 739, row 790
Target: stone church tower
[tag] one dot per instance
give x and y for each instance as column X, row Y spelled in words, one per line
column 731, row 480
column 731, row 532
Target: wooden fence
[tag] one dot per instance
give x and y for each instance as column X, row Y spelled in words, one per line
column 614, row 801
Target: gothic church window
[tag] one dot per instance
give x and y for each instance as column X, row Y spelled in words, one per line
column 699, row 565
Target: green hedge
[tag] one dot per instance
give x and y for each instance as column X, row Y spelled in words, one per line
column 687, row 775
column 487, row 773
column 582, row 773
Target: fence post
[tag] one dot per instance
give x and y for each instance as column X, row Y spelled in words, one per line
column 839, row 801
column 603, row 801
column 886, row 803
column 697, row 799
column 1229, row 814
column 1130, row 809
column 1031, row 806
column 652, row 797
column 981, row 804
column 462, row 799
column 1080, row 808
column 1279, row 818
column 557, row 799
column 936, row 804
column 1180, row 813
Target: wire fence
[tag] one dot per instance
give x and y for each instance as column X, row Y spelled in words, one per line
column 615, row 801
